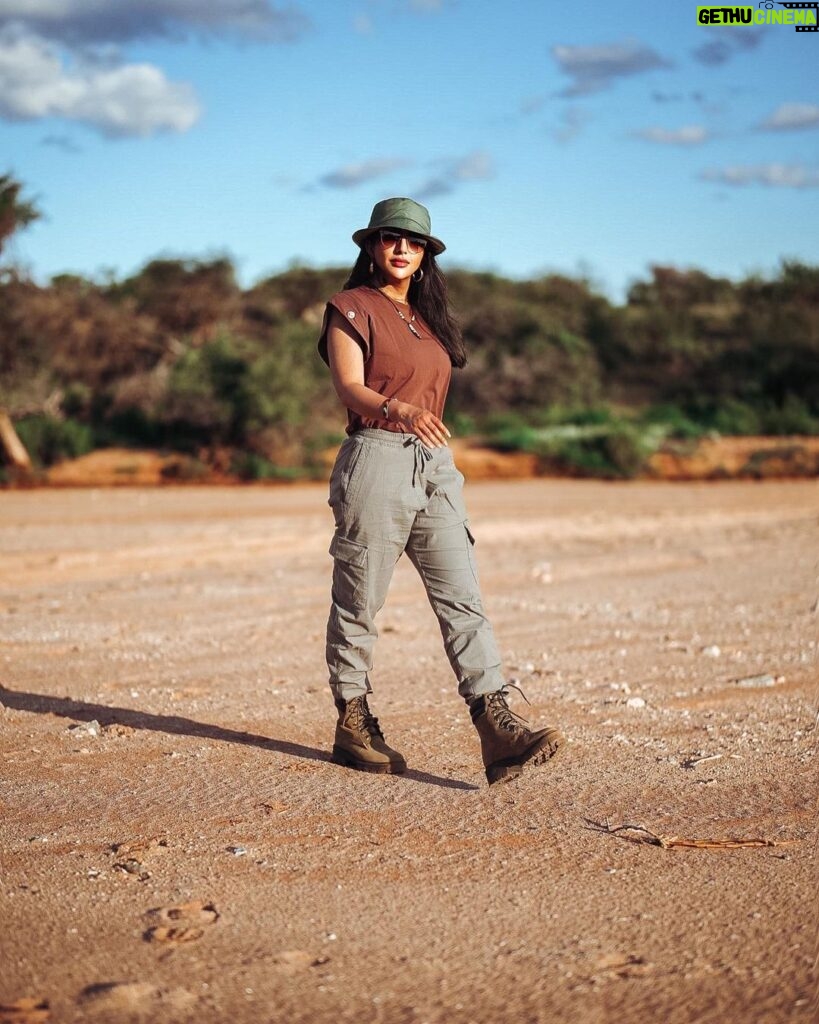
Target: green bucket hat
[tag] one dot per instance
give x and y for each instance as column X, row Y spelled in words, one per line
column 401, row 215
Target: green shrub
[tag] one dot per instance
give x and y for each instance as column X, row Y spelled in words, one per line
column 674, row 421
column 205, row 394
column 728, row 416
column 76, row 400
column 792, row 417
column 462, row 424
column 584, row 457
column 508, row 431
column 129, row 427
column 733, row 417
column 48, row 439
column 185, row 469
column 250, row 466
column 606, row 447
column 626, row 449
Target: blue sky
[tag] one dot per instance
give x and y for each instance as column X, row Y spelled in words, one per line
column 583, row 138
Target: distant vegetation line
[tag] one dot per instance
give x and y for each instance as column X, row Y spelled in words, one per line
column 178, row 357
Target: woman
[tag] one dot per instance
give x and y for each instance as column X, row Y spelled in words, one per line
column 391, row 342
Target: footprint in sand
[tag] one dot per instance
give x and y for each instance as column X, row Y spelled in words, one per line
column 25, row 1011
column 132, row 856
column 137, row 1002
column 185, row 923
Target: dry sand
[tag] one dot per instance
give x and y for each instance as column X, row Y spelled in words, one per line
column 195, row 857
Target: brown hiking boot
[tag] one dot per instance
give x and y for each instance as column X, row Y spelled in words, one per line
column 507, row 743
column 359, row 742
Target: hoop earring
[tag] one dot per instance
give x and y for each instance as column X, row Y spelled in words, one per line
column 418, row 276
column 372, row 267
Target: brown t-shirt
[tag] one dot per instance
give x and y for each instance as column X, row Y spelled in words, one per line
column 396, row 363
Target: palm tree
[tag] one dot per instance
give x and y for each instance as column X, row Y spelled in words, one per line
column 14, row 212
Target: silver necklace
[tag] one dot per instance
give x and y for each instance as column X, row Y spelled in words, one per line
column 410, row 323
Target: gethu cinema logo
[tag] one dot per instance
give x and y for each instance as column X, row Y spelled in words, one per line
column 803, row 16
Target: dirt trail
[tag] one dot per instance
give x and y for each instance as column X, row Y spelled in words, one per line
column 176, row 846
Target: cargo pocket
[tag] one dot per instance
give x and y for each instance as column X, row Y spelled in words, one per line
column 470, row 550
column 350, row 572
column 345, row 482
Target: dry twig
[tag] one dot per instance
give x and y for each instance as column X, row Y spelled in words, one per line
column 692, row 762
column 640, row 834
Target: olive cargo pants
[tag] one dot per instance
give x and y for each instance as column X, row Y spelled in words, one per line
column 390, row 494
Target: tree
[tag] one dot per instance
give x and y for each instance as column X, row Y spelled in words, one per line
column 14, row 212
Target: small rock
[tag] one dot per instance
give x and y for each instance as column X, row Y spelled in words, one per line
column 115, row 729
column 748, row 682
column 132, row 866
column 238, row 851
column 623, row 966
column 91, row 728
column 711, row 651
column 635, row 702
column 292, row 961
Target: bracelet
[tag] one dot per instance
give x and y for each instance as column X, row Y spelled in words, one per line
column 385, row 410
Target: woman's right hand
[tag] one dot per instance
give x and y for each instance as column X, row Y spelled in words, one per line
column 424, row 424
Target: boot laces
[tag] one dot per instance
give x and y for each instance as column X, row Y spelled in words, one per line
column 361, row 718
column 502, row 714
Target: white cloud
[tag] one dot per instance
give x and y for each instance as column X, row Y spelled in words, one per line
column 363, row 24
column 356, row 174
column 62, row 58
column 594, row 68
column 772, row 175
column 124, row 100
column 574, row 119
column 726, row 43
column 531, row 105
column 78, row 22
column 63, row 142
column 791, row 117
column 475, row 166
column 688, row 135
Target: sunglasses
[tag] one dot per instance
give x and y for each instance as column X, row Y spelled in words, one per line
column 392, row 238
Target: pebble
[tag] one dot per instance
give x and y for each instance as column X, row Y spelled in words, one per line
column 237, row 851
column 91, row 728
column 711, row 651
column 635, row 702
column 753, row 681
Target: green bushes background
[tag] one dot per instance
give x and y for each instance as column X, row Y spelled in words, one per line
column 180, row 358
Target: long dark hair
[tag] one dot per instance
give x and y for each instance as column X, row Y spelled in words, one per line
column 427, row 296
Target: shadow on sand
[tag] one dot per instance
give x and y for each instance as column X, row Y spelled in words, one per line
column 176, row 725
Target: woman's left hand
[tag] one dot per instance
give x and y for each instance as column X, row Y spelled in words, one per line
column 422, row 422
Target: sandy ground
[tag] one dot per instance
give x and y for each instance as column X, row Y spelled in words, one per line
column 177, row 847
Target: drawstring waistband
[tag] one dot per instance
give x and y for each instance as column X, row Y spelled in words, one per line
column 422, row 455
